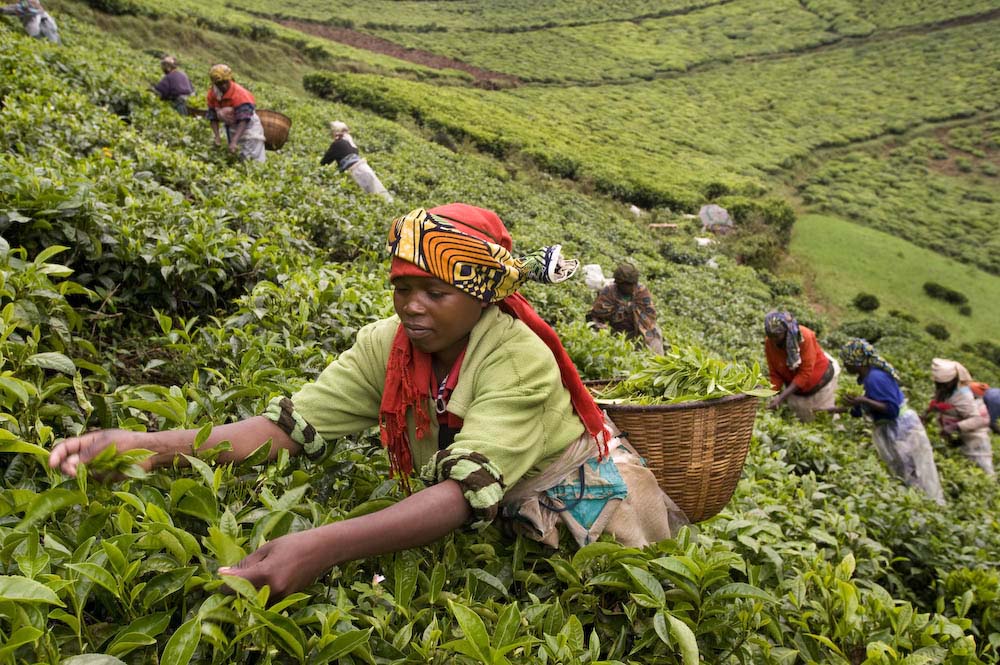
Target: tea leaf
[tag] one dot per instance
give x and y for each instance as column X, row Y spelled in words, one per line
column 591, row 551
column 128, row 642
column 93, row 659
column 51, row 501
column 290, row 636
column 23, row 590
column 491, row 580
column 181, row 645
column 20, row 637
column 743, row 590
column 54, row 361
column 165, row 584
column 404, row 573
column 99, row 575
column 507, row 627
column 647, row 583
column 39, row 453
column 473, row 629
column 344, row 644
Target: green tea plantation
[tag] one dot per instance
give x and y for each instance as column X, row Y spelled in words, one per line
column 148, row 281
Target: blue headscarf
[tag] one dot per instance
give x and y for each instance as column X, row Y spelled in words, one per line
column 860, row 353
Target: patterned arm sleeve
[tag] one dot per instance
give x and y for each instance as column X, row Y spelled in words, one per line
column 482, row 483
column 603, row 307
column 281, row 411
column 244, row 112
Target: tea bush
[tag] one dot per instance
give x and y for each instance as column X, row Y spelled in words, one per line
column 866, row 302
column 935, row 290
column 937, row 331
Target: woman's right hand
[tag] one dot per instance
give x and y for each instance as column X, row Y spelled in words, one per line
column 70, row 453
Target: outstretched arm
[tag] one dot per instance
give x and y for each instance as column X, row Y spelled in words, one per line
column 245, row 437
column 790, row 389
column 290, row 563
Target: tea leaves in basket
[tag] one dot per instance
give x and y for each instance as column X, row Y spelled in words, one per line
column 685, row 374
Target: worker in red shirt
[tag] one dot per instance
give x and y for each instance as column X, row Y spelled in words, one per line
column 803, row 373
column 233, row 104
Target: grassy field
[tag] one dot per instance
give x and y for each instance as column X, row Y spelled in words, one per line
column 937, row 189
column 567, row 42
column 846, row 258
column 206, row 34
column 679, row 141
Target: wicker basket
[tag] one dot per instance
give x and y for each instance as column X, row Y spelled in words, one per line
column 696, row 450
column 276, row 126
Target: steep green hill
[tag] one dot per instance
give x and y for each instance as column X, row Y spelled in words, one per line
column 848, row 259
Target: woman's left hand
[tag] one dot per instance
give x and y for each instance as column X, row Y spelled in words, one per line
column 293, row 562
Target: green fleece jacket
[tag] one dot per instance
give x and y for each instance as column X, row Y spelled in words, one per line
column 517, row 416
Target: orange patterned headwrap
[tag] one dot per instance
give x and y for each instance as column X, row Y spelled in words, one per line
column 470, row 248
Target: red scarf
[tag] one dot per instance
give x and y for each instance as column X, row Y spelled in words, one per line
column 410, row 375
column 935, row 405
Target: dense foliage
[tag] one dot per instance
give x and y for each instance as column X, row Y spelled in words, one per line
column 793, row 108
column 147, row 282
column 684, row 374
column 937, row 192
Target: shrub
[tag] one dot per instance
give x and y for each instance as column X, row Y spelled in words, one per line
column 599, row 354
column 905, row 316
column 261, row 31
column 941, row 292
column 985, row 349
column 772, row 215
column 116, row 7
column 866, row 302
column 367, row 94
column 780, row 286
column 965, row 310
column 874, row 328
column 763, row 229
column 937, row 331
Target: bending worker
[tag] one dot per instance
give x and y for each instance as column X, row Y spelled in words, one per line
column 175, row 86
column 467, row 384
column 233, row 104
column 803, row 373
column 34, row 18
column 899, row 436
column 960, row 415
column 626, row 306
column 991, row 398
column 344, row 151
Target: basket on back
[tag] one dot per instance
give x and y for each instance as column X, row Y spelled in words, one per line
column 276, row 126
column 696, row 450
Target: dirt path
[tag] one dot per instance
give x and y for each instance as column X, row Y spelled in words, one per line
column 484, row 77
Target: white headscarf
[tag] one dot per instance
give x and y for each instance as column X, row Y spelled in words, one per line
column 943, row 371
